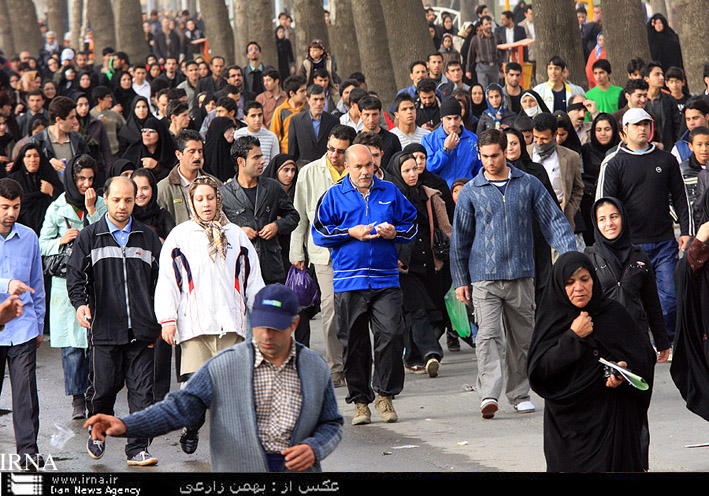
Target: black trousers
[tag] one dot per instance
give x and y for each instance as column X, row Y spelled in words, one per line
column 355, row 312
column 112, row 366
column 163, row 362
column 421, row 339
column 22, row 364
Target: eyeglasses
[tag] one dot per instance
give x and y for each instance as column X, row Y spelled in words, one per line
column 146, row 130
column 335, row 150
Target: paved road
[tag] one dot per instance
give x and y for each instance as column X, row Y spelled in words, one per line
column 440, row 429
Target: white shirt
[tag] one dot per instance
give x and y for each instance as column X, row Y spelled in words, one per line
column 346, row 120
column 143, row 89
column 551, row 165
column 269, row 142
column 510, row 34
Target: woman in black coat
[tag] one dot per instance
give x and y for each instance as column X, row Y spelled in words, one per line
column 217, row 159
column 286, row 60
column 155, row 150
column 592, row 422
column 130, row 133
column 664, row 43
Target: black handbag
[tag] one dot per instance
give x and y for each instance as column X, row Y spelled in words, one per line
column 440, row 242
column 55, row 265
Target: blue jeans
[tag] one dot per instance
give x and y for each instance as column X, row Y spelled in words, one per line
column 663, row 256
column 76, row 371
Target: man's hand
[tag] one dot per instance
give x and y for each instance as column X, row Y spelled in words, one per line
column 83, row 316
column 104, row 425
column 386, row 230
column 451, row 141
column 10, row 308
column 462, row 293
column 40, row 338
column 18, row 288
column 299, row 457
column 299, row 265
column 683, row 241
column 250, row 232
column 268, row 231
column 168, row 333
column 590, row 106
column 58, row 165
column 362, row 232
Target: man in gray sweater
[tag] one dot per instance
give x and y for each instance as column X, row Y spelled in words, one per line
column 256, row 393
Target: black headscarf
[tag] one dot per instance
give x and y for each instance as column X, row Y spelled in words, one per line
column 164, row 153
column 131, row 132
column 34, row 201
column 477, row 109
column 84, row 122
column 124, row 97
column 564, row 369
column 152, row 214
column 540, row 102
column 73, row 196
column 276, row 164
column 572, row 139
column 593, row 152
column 217, row 159
column 433, row 181
column 121, row 165
column 615, row 251
column 664, row 46
column 412, row 193
column 202, row 113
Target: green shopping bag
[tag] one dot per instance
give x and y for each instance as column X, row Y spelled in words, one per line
column 458, row 314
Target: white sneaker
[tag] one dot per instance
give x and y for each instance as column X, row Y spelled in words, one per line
column 524, row 407
column 488, row 408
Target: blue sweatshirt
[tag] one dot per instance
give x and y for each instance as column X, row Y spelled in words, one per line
column 461, row 161
column 363, row 264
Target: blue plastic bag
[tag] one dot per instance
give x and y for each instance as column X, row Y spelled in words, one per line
column 303, row 286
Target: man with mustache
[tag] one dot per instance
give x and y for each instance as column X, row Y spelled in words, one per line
column 361, row 218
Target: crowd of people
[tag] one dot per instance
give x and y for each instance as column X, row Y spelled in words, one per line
column 153, row 212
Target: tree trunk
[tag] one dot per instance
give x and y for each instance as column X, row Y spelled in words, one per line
column 262, row 31
column 241, row 30
column 75, row 25
column 467, row 11
column 692, row 17
column 557, row 33
column 658, row 7
column 129, row 33
column 56, row 17
column 373, row 49
column 102, row 21
column 343, row 39
column 25, row 29
column 407, row 31
column 219, row 32
column 6, row 40
column 625, row 35
column 310, row 21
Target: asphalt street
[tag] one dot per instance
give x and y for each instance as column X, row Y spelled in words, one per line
column 440, row 429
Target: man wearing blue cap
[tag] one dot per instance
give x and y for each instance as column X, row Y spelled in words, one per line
column 255, row 392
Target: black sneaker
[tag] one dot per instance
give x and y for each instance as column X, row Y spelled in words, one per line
column 189, row 440
column 95, row 447
column 31, row 463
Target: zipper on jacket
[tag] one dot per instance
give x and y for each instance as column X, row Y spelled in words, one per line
column 125, row 285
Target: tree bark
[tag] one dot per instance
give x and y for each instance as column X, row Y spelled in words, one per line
column 7, row 42
column 129, row 32
column 219, row 32
column 310, row 19
column 658, row 7
column 407, row 31
column 376, row 60
column 467, row 11
column 75, row 25
column 692, row 19
column 56, row 17
column 241, row 30
column 262, row 31
column 558, row 33
column 25, row 29
column 625, row 35
column 102, row 21
column 343, row 39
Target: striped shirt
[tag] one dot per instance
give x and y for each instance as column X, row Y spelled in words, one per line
column 406, row 139
column 278, row 400
column 269, row 142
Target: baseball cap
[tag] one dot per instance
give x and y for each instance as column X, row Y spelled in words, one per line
column 635, row 115
column 274, row 307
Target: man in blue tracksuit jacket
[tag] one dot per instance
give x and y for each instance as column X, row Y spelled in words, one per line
column 361, row 219
column 452, row 149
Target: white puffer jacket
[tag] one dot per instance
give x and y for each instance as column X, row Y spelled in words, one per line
column 201, row 295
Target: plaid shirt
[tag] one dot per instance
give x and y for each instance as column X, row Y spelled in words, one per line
column 278, row 400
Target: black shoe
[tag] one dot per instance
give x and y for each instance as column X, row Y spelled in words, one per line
column 95, row 448
column 453, row 345
column 31, row 463
column 189, row 440
column 79, row 406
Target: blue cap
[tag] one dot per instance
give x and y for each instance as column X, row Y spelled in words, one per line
column 274, row 307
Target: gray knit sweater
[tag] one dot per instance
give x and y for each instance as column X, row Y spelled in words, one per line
column 224, row 385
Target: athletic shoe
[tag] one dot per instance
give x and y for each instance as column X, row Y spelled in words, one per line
column 488, row 408
column 524, row 407
column 362, row 414
column 95, row 447
column 142, row 459
column 386, row 409
column 432, row 366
